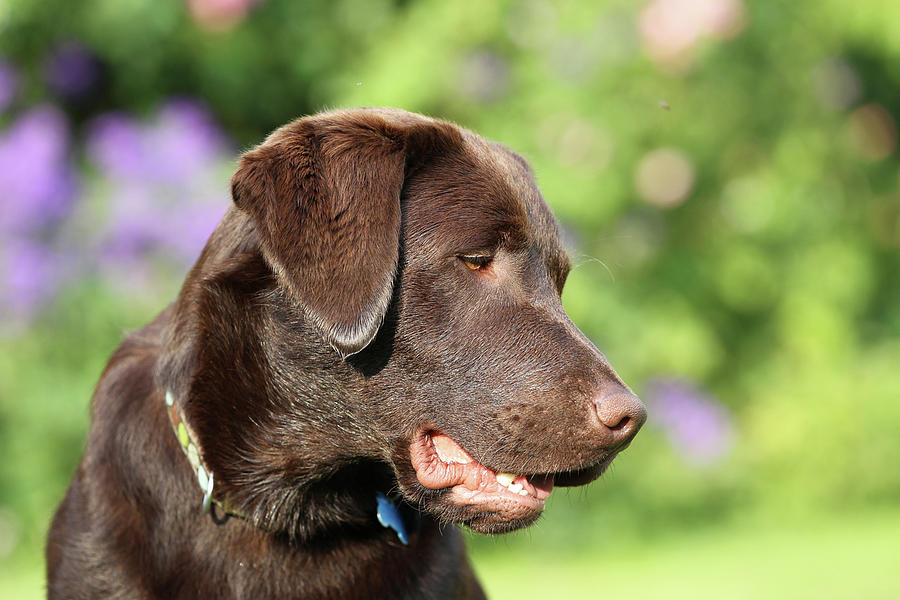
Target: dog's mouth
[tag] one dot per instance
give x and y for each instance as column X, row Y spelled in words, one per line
column 488, row 500
column 441, row 463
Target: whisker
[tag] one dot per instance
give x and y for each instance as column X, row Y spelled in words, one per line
column 584, row 259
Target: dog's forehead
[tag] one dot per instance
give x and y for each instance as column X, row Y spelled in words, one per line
column 483, row 188
column 518, row 176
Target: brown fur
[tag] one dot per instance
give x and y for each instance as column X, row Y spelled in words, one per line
column 329, row 319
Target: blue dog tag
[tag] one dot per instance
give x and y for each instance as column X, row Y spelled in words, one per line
column 389, row 516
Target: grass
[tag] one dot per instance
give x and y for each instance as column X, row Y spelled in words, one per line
column 856, row 556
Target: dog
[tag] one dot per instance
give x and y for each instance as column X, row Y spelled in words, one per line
column 371, row 346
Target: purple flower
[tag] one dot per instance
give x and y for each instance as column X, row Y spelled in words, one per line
column 115, row 144
column 167, row 191
column 9, row 84
column 37, row 187
column 135, row 225
column 29, row 274
column 194, row 226
column 183, row 141
column 179, row 144
column 72, row 70
column 37, row 182
column 141, row 225
column 695, row 423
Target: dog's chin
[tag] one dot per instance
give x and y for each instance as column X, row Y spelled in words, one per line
column 490, row 516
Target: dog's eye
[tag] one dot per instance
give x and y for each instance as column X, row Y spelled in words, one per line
column 476, row 263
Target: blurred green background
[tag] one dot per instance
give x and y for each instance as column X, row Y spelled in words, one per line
column 726, row 173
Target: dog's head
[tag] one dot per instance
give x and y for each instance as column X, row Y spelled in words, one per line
column 405, row 320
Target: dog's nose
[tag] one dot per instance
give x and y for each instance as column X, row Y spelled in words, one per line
column 621, row 415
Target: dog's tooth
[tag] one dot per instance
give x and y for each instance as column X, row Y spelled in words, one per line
column 505, row 479
column 523, row 492
column 515, row 488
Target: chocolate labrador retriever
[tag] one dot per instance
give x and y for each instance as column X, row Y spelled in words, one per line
column 371, row 346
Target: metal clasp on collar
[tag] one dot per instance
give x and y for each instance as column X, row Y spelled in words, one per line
column 207, row 497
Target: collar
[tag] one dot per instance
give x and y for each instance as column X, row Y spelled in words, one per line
column 386, row 511
column 190, row 448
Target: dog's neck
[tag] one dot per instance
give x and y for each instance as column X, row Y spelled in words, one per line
column 386, row 511
column 279, row 457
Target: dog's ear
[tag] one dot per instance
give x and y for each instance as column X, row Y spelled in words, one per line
column 324, row 193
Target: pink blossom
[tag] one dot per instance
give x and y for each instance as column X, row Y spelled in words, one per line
column 220, row 14
column 671, row 29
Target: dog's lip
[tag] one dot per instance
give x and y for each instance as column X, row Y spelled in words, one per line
column 441, row 463
column 585, row 475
